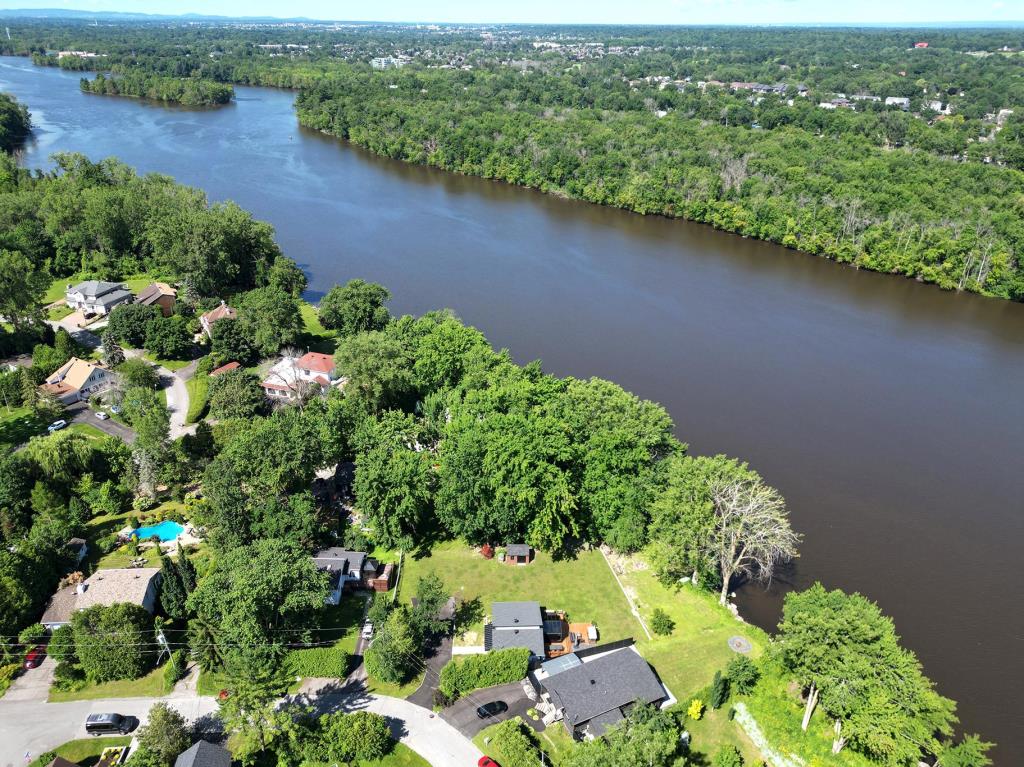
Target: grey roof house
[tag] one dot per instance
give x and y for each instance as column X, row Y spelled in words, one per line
column 96, row 296
column 343, row 567
column 592, row 695
column 204, row 754
column 134, row 585
column 515, row 624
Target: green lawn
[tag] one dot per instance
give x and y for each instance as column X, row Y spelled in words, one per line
column 688, row 658
column 401, row 756
column 149, row 686
column 714, row 730
column 171, row 365
column 315, row 336
column 84, row 752
column 554, row 741
column 120, row 557
column 88, row 430
column 59, row 312
column 198, row 387
column 19, row 424
column 583, row 587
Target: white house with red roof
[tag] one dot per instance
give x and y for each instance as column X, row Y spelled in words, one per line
column 297, row 377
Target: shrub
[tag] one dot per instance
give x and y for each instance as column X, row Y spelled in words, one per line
column 514, row 742
column 696, row 709
column 661, row 623
column 46, row 757
column 465, row 674
column 6, row 675
column 138, row 372
column 68, row 677
column 728, row 756
column 719, row 690
column 32, row 635
column 358, row 737
column 742, row 674
column 175, row 668
column 62, row 645
column 318, row 662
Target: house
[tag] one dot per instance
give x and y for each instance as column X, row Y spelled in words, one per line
column 137, row 585
column 158, row 294
column 204, row 754
column 920, row 45
column 515, row 624
column 225, row 369
column 345, row 568
column 378, row 578
column 221, row 312
column 77, row 380
column 96, row 296
column 518, row 554
column 79, row 548
column 590, row 695
column 898, row 101
column 296, row 377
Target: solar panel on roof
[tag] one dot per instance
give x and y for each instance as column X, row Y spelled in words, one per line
column 553, row 627
column 558, row 665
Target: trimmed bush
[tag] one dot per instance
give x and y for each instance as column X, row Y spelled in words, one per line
column 728, row 756
column 68, row 677
column 467, row 673
column 514, row 743
column 331, row 662
column 62, row 645
column 175, row 668
column 661, row 623
column 742, row 674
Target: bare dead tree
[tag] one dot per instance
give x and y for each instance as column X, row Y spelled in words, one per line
column 752, row 532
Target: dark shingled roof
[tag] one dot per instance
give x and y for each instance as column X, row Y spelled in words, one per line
column 204, row 754
column 530, row 637
column 516, row 614
column 60, row 761
column 517, row 550
column 602, row 685
column 340, row 560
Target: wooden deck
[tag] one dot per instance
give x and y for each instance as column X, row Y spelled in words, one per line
column 557, row 647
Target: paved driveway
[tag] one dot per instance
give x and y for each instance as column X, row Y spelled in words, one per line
column 441, row 654
column 80, row 413
column 462, row 715
column 32, row 685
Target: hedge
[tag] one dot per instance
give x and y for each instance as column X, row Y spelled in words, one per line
column 175, row 668
column 511, row 741
column 467, row 673
column 331, row 662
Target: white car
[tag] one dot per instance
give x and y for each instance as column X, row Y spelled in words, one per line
column 56, row 426
column 367, row 630
column 101, row 415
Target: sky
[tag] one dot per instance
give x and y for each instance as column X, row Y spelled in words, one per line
column 576, row 11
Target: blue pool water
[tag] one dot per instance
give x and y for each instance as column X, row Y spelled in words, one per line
column 167, row 530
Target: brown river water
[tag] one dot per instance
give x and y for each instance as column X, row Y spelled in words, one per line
column 889, row 413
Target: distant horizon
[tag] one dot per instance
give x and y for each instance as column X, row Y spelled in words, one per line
column 735, row 13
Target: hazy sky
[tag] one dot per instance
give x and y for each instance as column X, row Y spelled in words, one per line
column 571, row 11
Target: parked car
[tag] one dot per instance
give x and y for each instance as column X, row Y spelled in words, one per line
column 56, row 426
column 486, row 761
column 35, row 657
column 115, row 409
column 101, row 415
column 367, row 630
column 495, row 707
column 108, row 724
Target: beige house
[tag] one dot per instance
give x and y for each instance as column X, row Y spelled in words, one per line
column 136, row 585
column 77, row 380
column 158, row 294
column 222, row 312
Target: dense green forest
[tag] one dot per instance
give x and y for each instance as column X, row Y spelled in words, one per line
column 190, row 91
column 659, row 121
column 15, row 122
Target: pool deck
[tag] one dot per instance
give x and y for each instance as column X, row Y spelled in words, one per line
column 187, row 537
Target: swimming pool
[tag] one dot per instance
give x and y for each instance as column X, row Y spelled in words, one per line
column 167, row 530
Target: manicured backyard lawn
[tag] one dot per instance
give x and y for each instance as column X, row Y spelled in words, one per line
column 149, row 686
column 698, row 645
column 316, row 337
column 583, row 587
column 19, row 424
column 84, row 752
column 554, row 741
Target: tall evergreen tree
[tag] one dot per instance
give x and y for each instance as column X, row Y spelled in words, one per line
column 172, row 591
column 186, row 572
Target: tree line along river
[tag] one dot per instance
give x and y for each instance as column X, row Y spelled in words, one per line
column 889, row 414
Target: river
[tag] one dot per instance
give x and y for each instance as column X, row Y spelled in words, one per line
column 889, row 413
